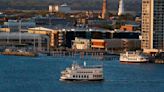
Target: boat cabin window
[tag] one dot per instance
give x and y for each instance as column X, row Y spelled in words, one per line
column 85, row 72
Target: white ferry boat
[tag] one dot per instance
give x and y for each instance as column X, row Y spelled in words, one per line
column 133, row 57
column 87, row 73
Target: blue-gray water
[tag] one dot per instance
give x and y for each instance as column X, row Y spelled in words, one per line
column 41, row 74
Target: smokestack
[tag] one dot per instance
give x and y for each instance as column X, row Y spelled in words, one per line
column 104, row 9
column 121, row 10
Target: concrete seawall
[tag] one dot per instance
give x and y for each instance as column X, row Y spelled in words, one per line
column 29, row 54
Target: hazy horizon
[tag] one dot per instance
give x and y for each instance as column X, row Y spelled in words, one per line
column 75, row 4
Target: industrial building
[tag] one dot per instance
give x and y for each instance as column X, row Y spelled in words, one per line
column 26, row 40
column 51, row 33
column 126, row 35
column 70, row 37
column 81, row 43
column 130, row 28
column 97, row 34
column 117, row 45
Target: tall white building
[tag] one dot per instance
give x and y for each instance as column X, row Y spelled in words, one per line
column 121, row 10
column 152, row 24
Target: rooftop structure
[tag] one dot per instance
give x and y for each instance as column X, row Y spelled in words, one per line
column 16, row 25
column 53, row 21
column 64, row 8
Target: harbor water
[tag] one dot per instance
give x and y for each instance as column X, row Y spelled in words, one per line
column 41, row 74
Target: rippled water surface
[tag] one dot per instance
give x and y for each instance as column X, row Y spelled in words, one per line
column 41, row 74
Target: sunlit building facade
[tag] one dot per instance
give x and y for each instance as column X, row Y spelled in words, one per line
column 152, row 24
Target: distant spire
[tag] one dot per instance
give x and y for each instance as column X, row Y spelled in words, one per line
column 121, row 10
column 104, row 9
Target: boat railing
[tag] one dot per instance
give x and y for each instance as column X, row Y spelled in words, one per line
column 93, row 66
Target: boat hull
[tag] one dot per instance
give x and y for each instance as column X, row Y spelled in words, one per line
column 133, row 61
column 81, row 79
